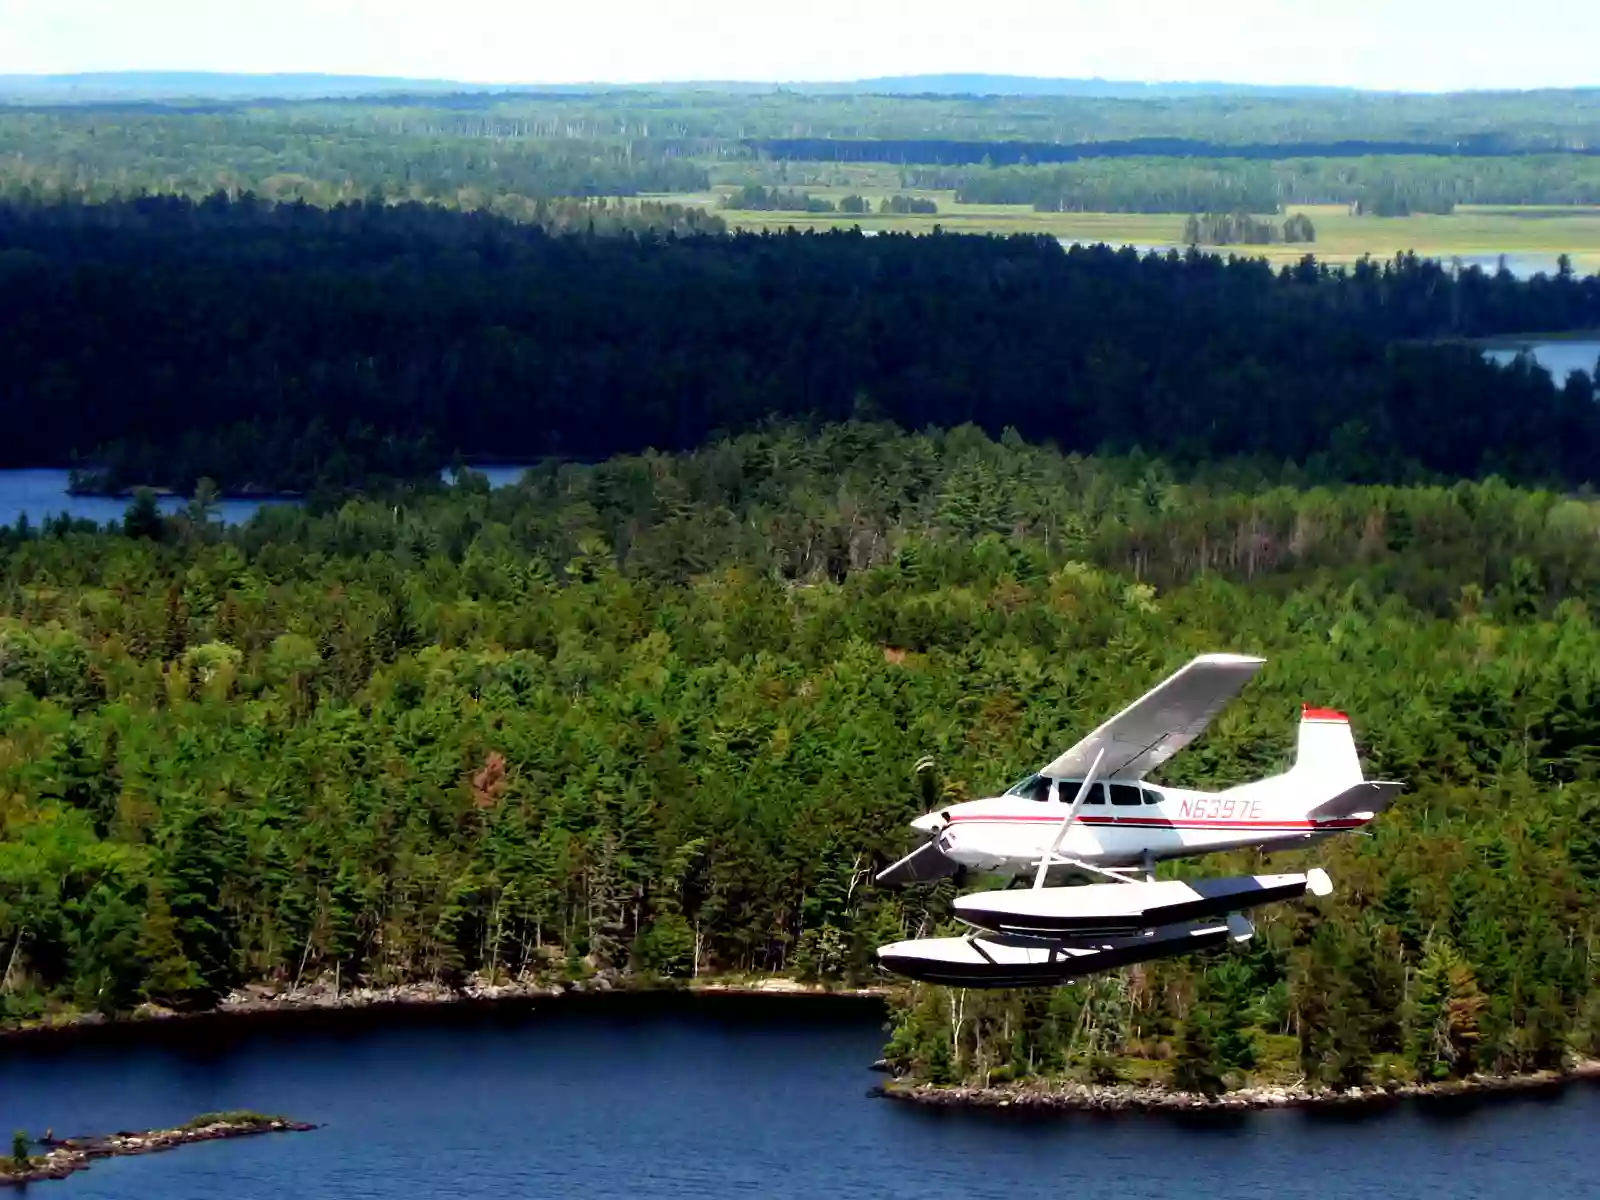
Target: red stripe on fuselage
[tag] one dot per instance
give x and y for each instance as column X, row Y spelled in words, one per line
column 1169, row 823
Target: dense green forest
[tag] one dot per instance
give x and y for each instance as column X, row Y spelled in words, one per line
column 161, row 340
column 508, row 152
column 1384, row 186
column 664, row 714
column 99, row 156
column 1552, row 120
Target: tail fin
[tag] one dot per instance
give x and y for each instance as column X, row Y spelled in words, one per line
column 1326, row 754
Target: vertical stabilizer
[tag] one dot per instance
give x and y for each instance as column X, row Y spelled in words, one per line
column 1326, row 755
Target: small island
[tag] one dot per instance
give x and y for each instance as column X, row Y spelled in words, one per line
column 63, row 1156
column 1070, row 1095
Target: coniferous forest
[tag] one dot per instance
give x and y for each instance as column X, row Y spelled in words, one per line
column 823, row 528
column 160, row 340
column 664, row 714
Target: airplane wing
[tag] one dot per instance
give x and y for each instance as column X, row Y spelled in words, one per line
column 1161, row 722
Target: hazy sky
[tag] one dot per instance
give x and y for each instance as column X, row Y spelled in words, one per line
column 1406, row 44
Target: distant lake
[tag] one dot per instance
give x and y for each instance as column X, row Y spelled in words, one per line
column 664, row 1100
column 500, row 474
column 1561, row 359
column 1523, row 266
column 41, row 493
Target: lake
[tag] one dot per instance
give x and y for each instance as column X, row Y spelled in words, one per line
column 1561, row 359
column 41, row 493
column 766, row 1097
column 1521, row 265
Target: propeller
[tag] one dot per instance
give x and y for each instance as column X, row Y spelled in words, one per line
column 927, row 862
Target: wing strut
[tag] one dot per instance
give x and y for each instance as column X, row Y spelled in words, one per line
column 1066, row 824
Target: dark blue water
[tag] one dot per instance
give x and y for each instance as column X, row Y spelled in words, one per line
column 1561, row 359
column 41, row 493
column 720, row 1098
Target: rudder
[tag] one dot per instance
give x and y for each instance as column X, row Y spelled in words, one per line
column 1326, row 751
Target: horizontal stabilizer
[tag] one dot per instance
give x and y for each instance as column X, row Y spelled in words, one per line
column 1364, row 799
column 1122, row 909
column 923, row 865
column 1001, row 962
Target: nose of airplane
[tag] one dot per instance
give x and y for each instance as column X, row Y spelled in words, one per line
column 929, row 823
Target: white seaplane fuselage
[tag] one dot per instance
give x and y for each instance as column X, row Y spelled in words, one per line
column 1128, row 824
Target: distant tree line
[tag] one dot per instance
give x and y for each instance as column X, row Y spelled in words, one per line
column 162, row 340
column 1227, row 229
column 502, row 155
column 1381, row 186
column 888, row 204
column 907, row 204
column 97, row 157
column 755, row 198
column 1008, row 152
column 703, row 124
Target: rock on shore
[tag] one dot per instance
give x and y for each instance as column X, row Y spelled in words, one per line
column 1067, row 1096
column 63, row 1156
column 262, row 998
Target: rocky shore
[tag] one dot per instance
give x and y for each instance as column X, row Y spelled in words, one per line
column 262, row 999
column 1065, row 1096
column 64, row 1156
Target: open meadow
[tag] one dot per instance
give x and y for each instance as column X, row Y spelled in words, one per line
column 1473, row 234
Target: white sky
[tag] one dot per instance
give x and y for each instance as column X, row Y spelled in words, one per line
column 1420, row 45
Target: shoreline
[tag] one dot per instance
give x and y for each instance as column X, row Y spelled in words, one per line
column 1072, row 1097
column 169, row 493
column 321, row 1008
column 258, row 1004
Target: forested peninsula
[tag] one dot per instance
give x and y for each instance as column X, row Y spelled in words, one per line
column 664, row 715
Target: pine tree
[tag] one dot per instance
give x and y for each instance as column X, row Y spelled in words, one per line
column 1444, row 1023
column 170, row 977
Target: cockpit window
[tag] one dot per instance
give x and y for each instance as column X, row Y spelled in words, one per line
column 1025, row 787
column 1096, row 793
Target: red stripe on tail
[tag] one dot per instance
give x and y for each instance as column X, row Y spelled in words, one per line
column 1308, row 713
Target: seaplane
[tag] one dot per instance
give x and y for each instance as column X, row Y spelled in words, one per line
column 1086, row 831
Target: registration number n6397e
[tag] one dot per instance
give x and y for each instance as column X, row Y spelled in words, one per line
column 1220, row 808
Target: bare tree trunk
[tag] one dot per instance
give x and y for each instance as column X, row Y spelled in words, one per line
column 11, row 963
column 958, row 1014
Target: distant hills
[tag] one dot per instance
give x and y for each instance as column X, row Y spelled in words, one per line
column 178, row 86
column 102, row 86
column 1032, row 85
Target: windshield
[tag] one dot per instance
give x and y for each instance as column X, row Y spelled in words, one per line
column 1023, row 787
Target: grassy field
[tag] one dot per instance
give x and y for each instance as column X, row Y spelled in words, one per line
column 1473, row 234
